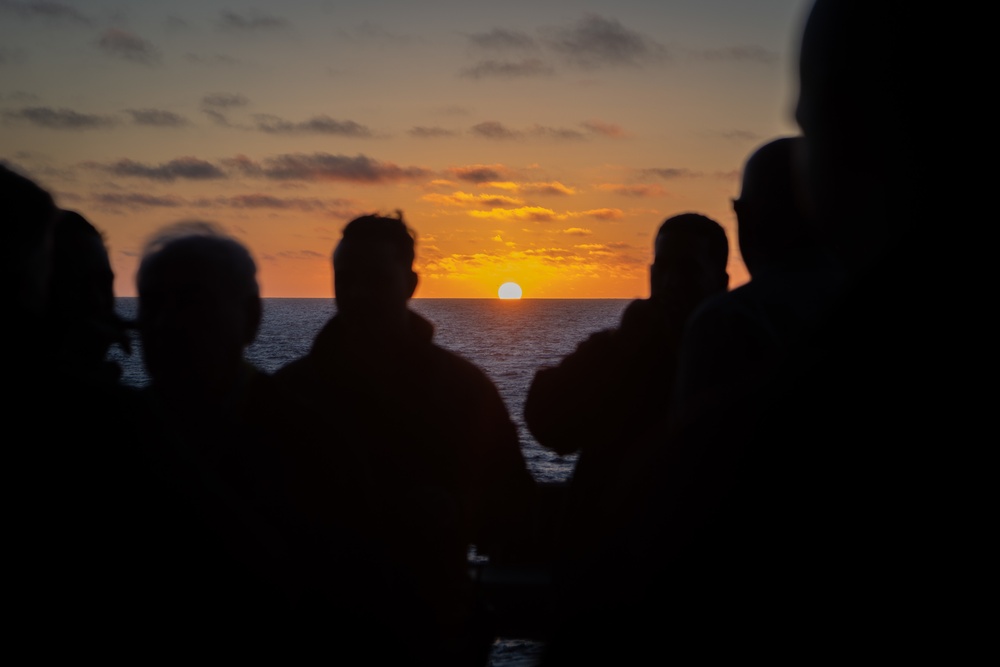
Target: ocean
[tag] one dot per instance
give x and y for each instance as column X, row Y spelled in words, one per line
column 508, row 339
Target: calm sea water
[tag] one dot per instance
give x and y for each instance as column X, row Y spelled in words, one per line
column 508, row 339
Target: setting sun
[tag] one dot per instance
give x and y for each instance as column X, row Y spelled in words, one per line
column 510, row 291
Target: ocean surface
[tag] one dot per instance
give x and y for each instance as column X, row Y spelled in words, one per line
column 508, row 339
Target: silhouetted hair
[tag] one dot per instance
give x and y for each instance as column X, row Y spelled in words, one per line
column 28, row 211
column 389, row 231
column 206, row 246
column 684, row 229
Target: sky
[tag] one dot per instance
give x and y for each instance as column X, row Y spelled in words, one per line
column 540, row 143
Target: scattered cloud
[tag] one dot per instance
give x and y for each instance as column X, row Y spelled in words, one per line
column 135, row 200
column 61, row 119
column 224, row 101
column 317, row 125
column 605, row 213
column 309, row 255
column 558, row 255
column 501, row 185
column 217, row 105
column 326, row 167
column 480, row 173
column 43, row 9
column 502, row 69
column 492, row 129
column 188, row 168
column 603, row 128
column 668, row 173
column 502, row 40
column 128, row 46
column 497, row 131
column 526, row 213
column 264, row 201
column 553, row 188
column 740, row 54
column 640, row 190
column 576, row 231
column 157, row 118
column 430, row 132
column 251, row 22
column 558, row 133
column 595, row 42
column 466, row 199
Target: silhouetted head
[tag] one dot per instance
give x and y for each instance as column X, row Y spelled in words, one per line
column 199, row 308
column 852, row 107
column 373, row 272
column 81, row 291
column 691, row 252
column 29, row 215
column 771, row 209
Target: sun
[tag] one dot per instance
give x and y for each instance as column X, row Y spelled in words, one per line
column 509, row 291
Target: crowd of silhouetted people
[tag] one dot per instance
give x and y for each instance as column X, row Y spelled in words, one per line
column 743, row 486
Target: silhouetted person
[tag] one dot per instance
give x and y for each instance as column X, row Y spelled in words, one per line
column 600, row 397
column 239, row 563
column 27, row 216
column 434, row 430
column 81, row 317
column 798, row 516
column 62, row 448
column 735, row 336
column 199, row 308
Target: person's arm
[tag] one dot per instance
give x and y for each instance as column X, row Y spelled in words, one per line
column 563, row 401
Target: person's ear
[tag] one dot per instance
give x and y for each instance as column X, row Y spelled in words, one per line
column 412, row 283
column 655, row 279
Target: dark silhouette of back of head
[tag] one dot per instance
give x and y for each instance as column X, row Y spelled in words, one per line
column 772, row 212
column 199, row 309
column 691, row 252
column 373, row 274
column 734, row 337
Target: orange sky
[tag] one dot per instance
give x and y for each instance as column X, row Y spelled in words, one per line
column 538, row 143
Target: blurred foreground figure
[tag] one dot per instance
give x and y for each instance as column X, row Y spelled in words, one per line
column 203, row 431
column 446, row 465
column 737, row 336
column 245, row 567
column 82, row 322
column 70, row 462
column 795, row 517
